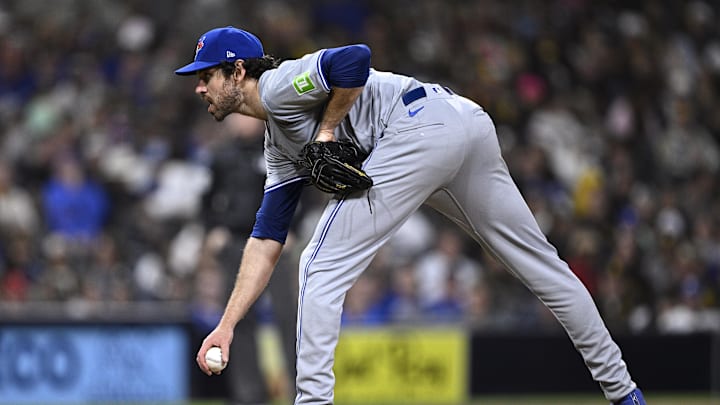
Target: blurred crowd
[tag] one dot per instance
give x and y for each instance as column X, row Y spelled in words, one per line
column 116, row 186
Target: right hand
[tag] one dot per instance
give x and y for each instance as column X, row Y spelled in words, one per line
column 221, row 337
column 325, row 135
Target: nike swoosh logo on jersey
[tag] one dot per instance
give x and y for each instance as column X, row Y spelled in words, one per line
column 412, row 113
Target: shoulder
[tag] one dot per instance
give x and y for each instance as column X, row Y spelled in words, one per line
column 296, row 83
column 305, row 73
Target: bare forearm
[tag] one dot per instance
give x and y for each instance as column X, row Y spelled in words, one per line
column 256, row 267
column 341, row 100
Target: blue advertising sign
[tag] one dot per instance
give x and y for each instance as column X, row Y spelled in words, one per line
column 93, row 364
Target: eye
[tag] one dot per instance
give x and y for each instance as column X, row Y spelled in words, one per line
column 206, row 76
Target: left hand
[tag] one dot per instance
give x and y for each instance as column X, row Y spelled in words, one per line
column 335, row 167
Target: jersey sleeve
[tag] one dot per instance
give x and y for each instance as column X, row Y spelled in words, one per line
column 346, row 66
column 273, row 219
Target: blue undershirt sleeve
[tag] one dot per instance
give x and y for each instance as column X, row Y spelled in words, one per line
column 272, row 220
column 346, row 66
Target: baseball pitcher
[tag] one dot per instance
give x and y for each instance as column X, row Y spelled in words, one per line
column 383, row 144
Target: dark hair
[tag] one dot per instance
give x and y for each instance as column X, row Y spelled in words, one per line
column 254, row 67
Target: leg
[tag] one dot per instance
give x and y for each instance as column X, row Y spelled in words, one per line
column 484, row 200
column 346, row 239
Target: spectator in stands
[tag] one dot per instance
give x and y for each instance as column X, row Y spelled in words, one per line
column 59, row 281
column 18, row 210
column 74, row 206
column 106, row 278
column 446, row 277
column 403, row 303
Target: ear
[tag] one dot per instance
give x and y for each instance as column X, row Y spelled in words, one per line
column 239, row 73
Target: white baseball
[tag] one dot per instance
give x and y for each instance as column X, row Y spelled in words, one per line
column 213, row 358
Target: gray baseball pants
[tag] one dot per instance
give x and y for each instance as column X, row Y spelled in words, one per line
column 447, row 155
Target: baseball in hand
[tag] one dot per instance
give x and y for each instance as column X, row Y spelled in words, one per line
column 213, row 358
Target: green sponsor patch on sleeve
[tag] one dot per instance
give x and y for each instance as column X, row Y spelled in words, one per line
column 303, row 84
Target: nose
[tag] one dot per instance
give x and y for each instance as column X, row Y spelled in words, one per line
column 201, row 88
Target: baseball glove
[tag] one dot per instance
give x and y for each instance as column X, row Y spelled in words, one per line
column 335, row 167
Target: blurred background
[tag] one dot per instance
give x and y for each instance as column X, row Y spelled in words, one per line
column 123, row 203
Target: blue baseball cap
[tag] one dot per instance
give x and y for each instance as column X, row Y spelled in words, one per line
column 219, row 45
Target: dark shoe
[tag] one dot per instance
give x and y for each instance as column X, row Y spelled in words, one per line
column 633, row 398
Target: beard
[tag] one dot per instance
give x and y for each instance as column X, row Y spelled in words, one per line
column 227, row 103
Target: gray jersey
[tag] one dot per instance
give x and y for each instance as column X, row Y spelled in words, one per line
column 294, row 96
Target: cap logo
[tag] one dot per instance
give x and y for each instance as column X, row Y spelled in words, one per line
column 229, row 54
column 200, row 44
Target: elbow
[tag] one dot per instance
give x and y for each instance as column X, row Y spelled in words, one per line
column 363, row 52
column 363, row 57
column 348, row 66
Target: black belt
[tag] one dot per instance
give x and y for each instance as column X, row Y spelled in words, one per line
column 418, row 93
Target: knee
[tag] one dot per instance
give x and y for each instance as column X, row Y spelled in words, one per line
column 320, row 308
